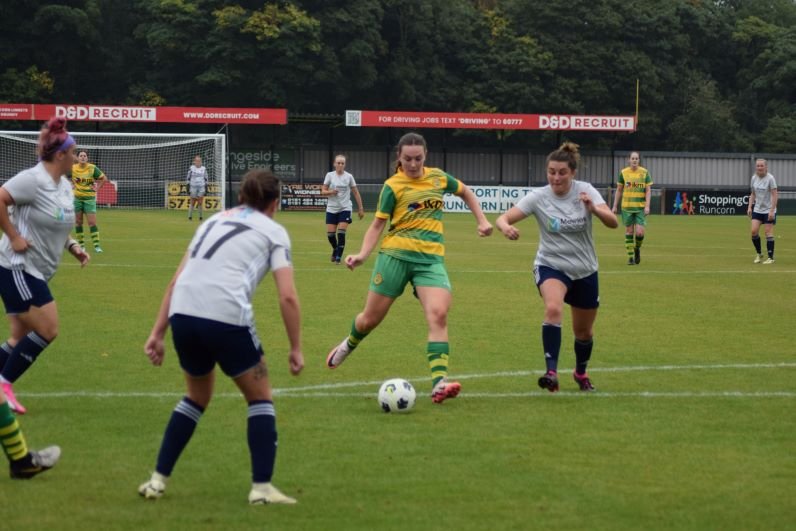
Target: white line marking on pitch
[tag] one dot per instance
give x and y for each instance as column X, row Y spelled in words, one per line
column 755, row 271
column 326, row 389
column 513, row 374
column 609, row 394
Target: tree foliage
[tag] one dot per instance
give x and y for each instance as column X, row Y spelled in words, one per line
column 713, row 74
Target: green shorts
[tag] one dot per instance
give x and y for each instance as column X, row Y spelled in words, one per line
column 390, row 276
column 89, row 206
column 634, row 218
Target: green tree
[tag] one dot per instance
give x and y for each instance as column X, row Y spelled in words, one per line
column 779, row 135
column 62, row 40
column 724, row 66
column 707, row 122
column 347, row 67
column 425, row 66
column 32, row 85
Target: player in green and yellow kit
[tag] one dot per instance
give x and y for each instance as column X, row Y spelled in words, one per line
column 412, row 251
column 634, row 188
column 87, row 180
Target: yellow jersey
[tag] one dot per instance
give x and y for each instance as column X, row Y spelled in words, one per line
column 84, row 177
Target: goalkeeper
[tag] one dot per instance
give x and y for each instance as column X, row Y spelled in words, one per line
column 197, row 186
column 87, row 180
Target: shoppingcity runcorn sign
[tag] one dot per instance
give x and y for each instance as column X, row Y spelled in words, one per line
column 706, row 202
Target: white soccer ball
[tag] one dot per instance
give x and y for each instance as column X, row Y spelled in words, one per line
column 396, row 395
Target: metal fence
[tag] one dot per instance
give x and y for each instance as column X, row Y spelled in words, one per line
column 668, row 169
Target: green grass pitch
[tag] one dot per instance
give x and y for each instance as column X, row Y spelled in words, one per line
column 692, row 426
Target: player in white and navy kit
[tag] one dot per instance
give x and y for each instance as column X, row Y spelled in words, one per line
column 565, row 267
column 338, row 186
column 197, row 186
column 34, row 238
column 208, row 304
column 763, row 209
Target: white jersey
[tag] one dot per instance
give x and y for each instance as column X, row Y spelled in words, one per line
column 197, row 177
column 343, row 184
column 228, row 257
column 762, row 187
column 565, row 242
column 43, row 214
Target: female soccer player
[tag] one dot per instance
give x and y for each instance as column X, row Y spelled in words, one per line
column 208, row 304
column 565, row 267
column 634, row 188
column 763, row 209
column 338, row 186
column 413, row 251
column 197, row 186
column 34, row 238
column 87, row 180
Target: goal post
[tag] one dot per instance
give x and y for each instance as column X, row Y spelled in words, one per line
column 143, row 170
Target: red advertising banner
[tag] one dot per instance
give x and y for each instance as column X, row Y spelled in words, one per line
column 458, row 120
column 119, row 113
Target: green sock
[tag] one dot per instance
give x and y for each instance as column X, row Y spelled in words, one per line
column 94, row 235
column 629, row 245
column 639, row 241
column 11, row 437
column 438, row 360
column 355, row 337
column 79, row 234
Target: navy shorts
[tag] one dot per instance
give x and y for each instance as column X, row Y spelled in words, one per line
column 763, row 218
column 582, row 293
column 20, row 291
column 338, row 217
column 201, row 343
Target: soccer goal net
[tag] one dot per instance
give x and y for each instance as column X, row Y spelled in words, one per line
column 143, row 170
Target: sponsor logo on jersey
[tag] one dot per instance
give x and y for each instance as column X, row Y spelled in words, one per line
column 566, row 224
